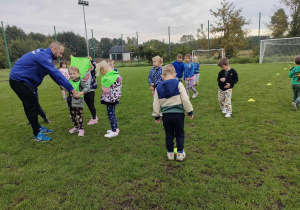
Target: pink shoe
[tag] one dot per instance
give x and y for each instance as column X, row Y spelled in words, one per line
column 73, row 130
column 80, row 132
column 93, row 121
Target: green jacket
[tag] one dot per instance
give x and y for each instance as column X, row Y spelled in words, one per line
column 295, row 75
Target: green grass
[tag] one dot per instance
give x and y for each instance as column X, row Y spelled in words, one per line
column 249, row 161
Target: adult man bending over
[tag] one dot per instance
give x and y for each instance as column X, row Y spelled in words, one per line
column 28, row 73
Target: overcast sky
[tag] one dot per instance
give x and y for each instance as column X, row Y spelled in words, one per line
column 119, row 16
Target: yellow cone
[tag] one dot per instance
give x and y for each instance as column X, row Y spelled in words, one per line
column 251, row 100
column 285, row 68
column 277, row 74
column 269, row 84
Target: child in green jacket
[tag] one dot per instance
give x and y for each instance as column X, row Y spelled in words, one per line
column 295, row 75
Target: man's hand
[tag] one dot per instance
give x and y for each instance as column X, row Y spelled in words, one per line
column 223, row 79
column 78, row 95
column 157, row 121
column 227, row 85
column 74, row 92
column 192, row 116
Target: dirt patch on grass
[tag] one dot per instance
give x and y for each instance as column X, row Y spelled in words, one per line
column 271, row 122
column 170, row 167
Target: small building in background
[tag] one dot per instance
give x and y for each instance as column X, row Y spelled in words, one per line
column 119, row 53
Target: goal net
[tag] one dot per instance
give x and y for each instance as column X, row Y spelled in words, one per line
column 279, row 50
column 211, row 56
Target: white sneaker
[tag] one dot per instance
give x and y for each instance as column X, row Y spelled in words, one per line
column 109, row 131
column 224, row 111
column 170, row 155
column 294, row 106
column 180, row 156
column 195, row 95
column 111, row 134
column 228, row 115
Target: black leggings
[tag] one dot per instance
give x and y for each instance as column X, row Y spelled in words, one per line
column 89, row 99
column 76, row 111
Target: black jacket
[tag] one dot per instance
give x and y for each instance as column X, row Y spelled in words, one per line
column 232, row 78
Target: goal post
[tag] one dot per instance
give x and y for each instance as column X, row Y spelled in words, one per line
column 211, row 56
column 279, row 50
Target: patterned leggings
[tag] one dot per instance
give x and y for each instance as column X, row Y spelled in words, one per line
column 112, row 117
column 76, row 111
column 189, row 84
column 89, row 99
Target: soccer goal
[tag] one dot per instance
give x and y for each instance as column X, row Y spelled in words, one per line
column 211, row 56
column 279, row 50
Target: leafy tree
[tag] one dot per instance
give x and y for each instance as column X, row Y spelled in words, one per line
column 13, row 33
column 230, row 25
column 105, row 45
column 278, row 24
column 74, row 42
column 294, row 6
column 37, row 36
column 3, row 55
column 186, row 39
column 19, row 47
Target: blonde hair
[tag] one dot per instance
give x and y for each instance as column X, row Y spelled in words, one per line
column 168, row 69
column 74, row 68
column 103, row 67
column 160, row 59
column 195, row 57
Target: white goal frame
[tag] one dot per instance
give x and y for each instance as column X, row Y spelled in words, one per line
column 221, row 49
column 276, row 42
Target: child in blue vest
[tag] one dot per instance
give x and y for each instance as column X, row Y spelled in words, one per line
column 76, row 104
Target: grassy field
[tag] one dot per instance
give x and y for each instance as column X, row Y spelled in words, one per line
column 249, row 161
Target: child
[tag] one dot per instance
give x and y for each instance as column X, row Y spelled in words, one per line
column 189, row 75
column 295, row 75
column 179, row 67
column 89, row 97
column 227, row 77
column 76, row 104
column 64, row 70
column 112, row 65
column 196, row 70
column 170, row 96
column 154, row 77
column 111, row 85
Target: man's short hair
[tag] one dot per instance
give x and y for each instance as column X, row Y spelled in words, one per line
column 55, row 45
column 223, row 62
column 179, row 56
column 297, row 60
column 168, row 69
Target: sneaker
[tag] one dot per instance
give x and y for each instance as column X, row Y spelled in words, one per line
column 228, row 115
column 47, row 120
column 41, row 137
column 93, row 121
column 180, row 156
column 111, row 134
column 109, row 131
column 294, row 106
column 80, row 132
column 170, row 155
column 195, row 95
column 224, row 111
column 45, row 130
column 73, row 130
column 28, row 123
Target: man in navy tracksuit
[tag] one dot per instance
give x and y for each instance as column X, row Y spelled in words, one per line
column 28, row 73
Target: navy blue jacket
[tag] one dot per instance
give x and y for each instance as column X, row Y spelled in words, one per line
column 179, row 67
column 34, row 66
column 232, row 78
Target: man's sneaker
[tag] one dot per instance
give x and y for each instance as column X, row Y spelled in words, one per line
column 180, row 156
column 73, row 130
column 228, row 115
column 41, row 137
column 224, row 111
column 80, row 132
column 45, row 130
column 93, row 121
column 109, row 131
column 170, row 155
column 294, row 106
column 195, row 95
column 47, row 120
column 28, row 123
column 111, row 134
